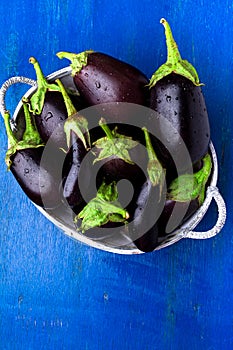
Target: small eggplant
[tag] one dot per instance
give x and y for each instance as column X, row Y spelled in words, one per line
column 49, row 108
column 71, row 173
column 118, row 157
column 78, row 142
column 177, row 99
column 50, row 123
column 144, row 232
column 149, row 203
column 184, row 196
column 38, row 180
column 101, row 210
column 184, row 210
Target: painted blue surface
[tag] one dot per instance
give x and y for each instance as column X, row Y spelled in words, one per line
column 56, row 293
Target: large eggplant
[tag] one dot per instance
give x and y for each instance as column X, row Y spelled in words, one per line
column 181, row 113
column 101, row 78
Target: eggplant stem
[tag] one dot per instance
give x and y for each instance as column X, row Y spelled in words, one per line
column 78, row 61
column 150, row 150
column 71, row 110
column 41, row 80
column 154, row 168
column 31, row 134
column 74, row 123
column 106, row 129
column 173, row 54
column 37, row 99
column 187, row 187
column 10, row 135
column 102, row 209
column 30, row 139
column 174, row 63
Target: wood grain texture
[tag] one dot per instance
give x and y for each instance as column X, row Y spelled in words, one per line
column 56, row 293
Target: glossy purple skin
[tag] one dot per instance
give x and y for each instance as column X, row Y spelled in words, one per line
column 116, row 169
column 186, row 210
column 181, row 103
column 50, row 123
column 106, row 79
column 145, row 214
column 71, row 170
column 39, row 182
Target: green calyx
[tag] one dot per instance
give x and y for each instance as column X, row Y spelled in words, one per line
column 188, row 187
column 78, row 61
column 75, row 122
column 36, row 101
column 174, row 63
column 30, row 138
column 102, row 209
column 155, row 170
column 114, row 144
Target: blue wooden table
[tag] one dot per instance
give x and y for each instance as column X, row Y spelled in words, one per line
column 57, row 293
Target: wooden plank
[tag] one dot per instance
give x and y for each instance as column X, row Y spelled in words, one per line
column 56, row 293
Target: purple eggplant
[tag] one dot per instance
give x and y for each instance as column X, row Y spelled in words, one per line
column 49, row 108
column 149, row 202
column 184, row 210
column 71, row 172
column 117, row 157
column 50, row 123
column 102, row 210
column 38, row 179
column 184, row 196
column 101, row 78
column 144, row 232
column 78, row 142
column 177, row 99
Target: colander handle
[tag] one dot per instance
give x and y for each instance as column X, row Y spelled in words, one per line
column 7, row 84
column 212, row 193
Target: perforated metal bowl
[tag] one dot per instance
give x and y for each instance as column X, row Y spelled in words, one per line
column 62, row 218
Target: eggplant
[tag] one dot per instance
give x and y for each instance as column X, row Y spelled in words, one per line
column 78, row 142
column 149, row 202
column 38, row 179
column 71, row 172
column 101, row 78
column 49, row 108
column 101, row 210
column 117, row 157
column 50, row 123
column 184, row 210
column 144, row 230
column 181, row 113
column 38, row 182
column 184, row 197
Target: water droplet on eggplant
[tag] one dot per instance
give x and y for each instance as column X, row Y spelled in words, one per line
column 48, row 116
column 97, row 84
